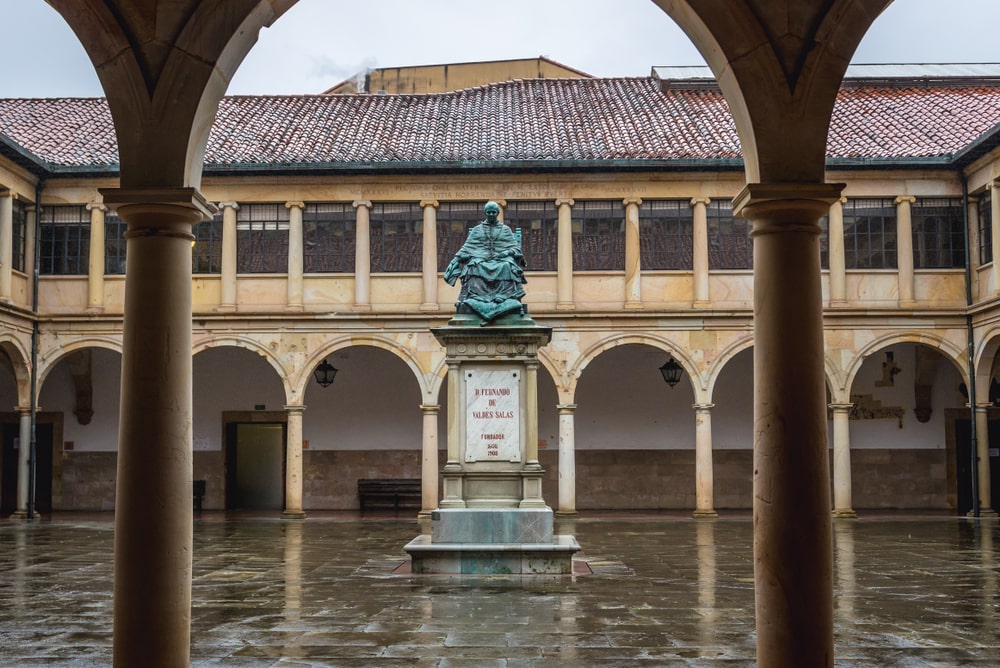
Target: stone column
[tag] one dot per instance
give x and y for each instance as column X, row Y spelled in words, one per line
column 430, row 247
column 983, row 455
column 699, row 260
column 429, row 460
column 703, row 468
column 95, row 262
column 838, row 271
column 842, row 491
column 293, row 464
column 995, row 234
column 23, row 452
column 6, row 244
column 904, row 249
column 564, row 277
column 793, row 558
column 295, row 252
column 633, row 259
column 567, row 460
column 362, row 258
column 227, row 301
column 153, row 503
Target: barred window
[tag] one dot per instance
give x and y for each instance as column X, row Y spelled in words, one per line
column 329, row 236
column 18, row 234
column 114, row 244
column 206, row 257
column 870, row 234
column 938, row 233
column 985, row 210
column 454, row 220
column 539, row 225
column 64, row 240
column 729, row 244
column 396, row 237
column 262, row 239
column 824, row 242
column 665, row 234
column 598, row 236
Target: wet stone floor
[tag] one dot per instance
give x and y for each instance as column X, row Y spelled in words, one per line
column 664, row 592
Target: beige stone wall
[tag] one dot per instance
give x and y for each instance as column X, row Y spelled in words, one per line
column 86, row 481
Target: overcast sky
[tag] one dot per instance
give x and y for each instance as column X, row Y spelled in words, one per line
column 319, row 43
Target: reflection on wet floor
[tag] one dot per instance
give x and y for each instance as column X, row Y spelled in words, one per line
column 664, row 592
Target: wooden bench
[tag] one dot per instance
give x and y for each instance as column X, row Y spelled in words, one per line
column 389, row 494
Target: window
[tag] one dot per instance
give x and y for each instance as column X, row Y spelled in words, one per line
column 824, row 242
column 206, row 257
column 114, row 244
column 18, row 234
column 985, row 210
column 329, row 237
column 64, row 240
column 599, row 236
column 665, row 234
column 262, row 239
column 454, row 220
column 938, row 233
column 729, row 244
column 396, row 237
column 870, row 234
column 539, row 225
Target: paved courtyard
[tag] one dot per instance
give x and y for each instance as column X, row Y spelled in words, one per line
column 665, row 591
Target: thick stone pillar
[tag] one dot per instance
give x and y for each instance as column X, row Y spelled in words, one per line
column 153, row 503
column 564, row 276
column 699, row 260
column 430, row 247
column 95, row 261
column 293, row 464
column 703, row 468
column 429, row 459
column 295, row 259
column 23, row 452
column 842, row 491
column 838, row 270
column 567, row 460
column 6, row 243
column 633, row 259
column 983, row 455
column 793, row 560
column 995, row 234
column 904, row 249
column 362, row 257
column 227, row 298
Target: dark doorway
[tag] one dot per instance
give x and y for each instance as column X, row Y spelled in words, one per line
column 43, row 466
column 255, row 466
column 963, row 464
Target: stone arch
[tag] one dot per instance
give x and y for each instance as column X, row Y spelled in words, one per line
column 51, row 358
column 20, row 366
column 720, row 362
column 247, row 343
column 987, row 350
column 951, row 352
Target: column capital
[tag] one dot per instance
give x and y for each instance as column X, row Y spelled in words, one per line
column 501, row 202
column 566, row 409
column 703, row 408
column 361, row 202
column 904, row 198
column 568, row 201
column 96, row 205
column 295, row 205
column 841, row 407
column 424, row 203
column 7, row 192
column 842, row 201
column 174, row 198
column 992, row 185
column 632, row 200
column 229, row 205
column 982, row 408
column 786, row 207
column 695, row 201
column 295, row 408
column 430, row 409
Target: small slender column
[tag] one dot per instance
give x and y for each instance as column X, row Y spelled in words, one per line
column 295, row 259
column 452, row 497
column 904, row 246
column 6, row 243
column 362, row 257
column 842, row 491
column 567, row 460
column 983, row 455
column 95, row 264
column 838, row 271
column 793, row 551
column 293, row 465
column 429, row 459
column 23, row 470
column 699, row 261
column 633, row 256
column 704, row 475
column 430, row 270
column 564, row 276
column 227, row 300
column 995, row 233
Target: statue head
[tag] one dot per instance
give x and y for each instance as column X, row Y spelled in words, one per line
column 492, row 211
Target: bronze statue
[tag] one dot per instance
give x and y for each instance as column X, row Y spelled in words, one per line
column 491, row 267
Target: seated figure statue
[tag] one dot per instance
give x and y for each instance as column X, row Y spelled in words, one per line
column 491, row 267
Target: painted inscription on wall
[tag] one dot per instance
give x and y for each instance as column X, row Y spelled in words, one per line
column 492, row 418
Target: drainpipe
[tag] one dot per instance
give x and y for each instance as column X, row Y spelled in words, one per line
column 972, row 346
column 34, row 348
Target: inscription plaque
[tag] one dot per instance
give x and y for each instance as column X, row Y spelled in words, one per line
column 493, row 416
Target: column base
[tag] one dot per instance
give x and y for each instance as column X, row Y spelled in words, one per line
column 838, row 303
column 984, row 512
column 295, row 308
column 845, row 514
column 364, row 308
column 293, row 515
column 95, row 310
column 567, row 514
column 225, row 308
column 907, row 303
column 633, row 306
column 709, row 514
column 701, row 304
column 23, row 515
column 565, row 306
column 430, row 306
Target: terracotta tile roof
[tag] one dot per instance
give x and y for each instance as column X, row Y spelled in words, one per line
column 523, row 121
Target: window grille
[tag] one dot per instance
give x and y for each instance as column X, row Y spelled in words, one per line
column 454, row 220
column 824, row 242
column 985, row 209
column 599, row 236
column 539, row 225
column 870, row 234
column 729, row 244
column 666, row 234
column 114, row 244
column 64, row 240
column 396, row 237
column 329, row 237
column 262, row 239
column 206, row 257
column 938, row 237
column 18, row 235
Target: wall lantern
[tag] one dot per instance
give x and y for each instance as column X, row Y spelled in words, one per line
column 324, row 374
column 672, row 372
